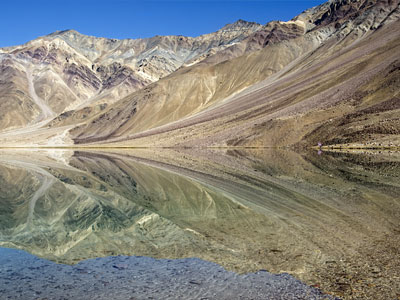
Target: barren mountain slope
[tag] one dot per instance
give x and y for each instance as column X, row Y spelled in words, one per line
column 329, row 75
column 17, row 108
column 343, row 44
column 68, row 70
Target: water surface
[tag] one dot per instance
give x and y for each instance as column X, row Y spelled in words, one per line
column 330, row 219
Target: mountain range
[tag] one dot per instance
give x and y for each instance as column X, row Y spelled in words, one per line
column 331, row 75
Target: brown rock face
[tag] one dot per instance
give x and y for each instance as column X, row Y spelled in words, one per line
column 288, row 89
column 70, row 70
column 321, row 77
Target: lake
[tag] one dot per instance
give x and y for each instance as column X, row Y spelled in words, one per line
column 330, row 219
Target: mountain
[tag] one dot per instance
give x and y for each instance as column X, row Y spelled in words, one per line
column 68, row 70
column 330, row 75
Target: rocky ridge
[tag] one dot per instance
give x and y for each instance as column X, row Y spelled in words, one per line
column 267, row 85
column 71, row 70
column 244, row 85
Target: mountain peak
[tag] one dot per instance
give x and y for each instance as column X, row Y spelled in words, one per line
column 64, row 32
column 239, row 24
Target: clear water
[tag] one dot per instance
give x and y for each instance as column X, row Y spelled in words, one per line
column 322, row 217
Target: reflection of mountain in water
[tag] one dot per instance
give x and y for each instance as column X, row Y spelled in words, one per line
column 313, row 216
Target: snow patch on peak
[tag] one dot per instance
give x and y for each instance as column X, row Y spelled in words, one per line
column 296, row 22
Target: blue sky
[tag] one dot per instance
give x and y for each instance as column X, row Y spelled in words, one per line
column 22, row 21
